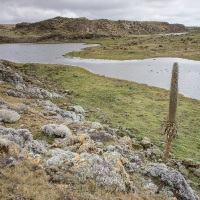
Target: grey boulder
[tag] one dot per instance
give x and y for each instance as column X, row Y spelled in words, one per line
column 9, row 116
column 58, row 130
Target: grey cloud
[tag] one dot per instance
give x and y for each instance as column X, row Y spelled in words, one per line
column 173, row 11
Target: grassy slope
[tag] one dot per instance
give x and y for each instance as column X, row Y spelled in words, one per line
column 139, row 108
column 182, row 46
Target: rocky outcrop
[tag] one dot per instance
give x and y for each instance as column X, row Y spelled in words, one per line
column 23, row 89
column 64, row 29
column 101, row 26
column 64, row 115
column 24, row 139
column 174, row 179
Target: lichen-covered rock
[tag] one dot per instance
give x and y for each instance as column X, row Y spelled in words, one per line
column 77, row 109
column 102, row 136
column 172, row 178
column 24, row 139
column 65, row 115
column 9, row 76
column 9, row 116
column 59, row 156
column 100, row 169
column 114, row 157
column 135, row 163
column 86, row 144
column 58, row 130
column 125, row 141
column 15, row 93
column 154, row 153
column 146, row 142
column 149, row 185
column 96, row 125
column 38, row 92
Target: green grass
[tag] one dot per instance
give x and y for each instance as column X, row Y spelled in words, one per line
column 137, row 107
column 141, row 47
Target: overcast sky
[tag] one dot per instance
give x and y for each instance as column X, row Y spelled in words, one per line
column 173, row 11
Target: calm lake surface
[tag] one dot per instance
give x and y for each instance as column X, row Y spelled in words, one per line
column 154, row 72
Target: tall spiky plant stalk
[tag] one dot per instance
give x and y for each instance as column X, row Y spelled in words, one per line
column 171, row 126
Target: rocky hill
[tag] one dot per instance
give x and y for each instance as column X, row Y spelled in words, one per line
column 60, row 28
column 48, row 151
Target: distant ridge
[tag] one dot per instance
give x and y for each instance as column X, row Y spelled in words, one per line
column 60, row 28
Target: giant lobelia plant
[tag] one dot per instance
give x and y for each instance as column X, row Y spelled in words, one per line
column 171, row 126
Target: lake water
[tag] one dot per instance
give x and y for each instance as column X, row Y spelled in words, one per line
column 154, row 72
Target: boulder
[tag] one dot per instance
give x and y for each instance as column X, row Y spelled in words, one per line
column 59, row 156
column 172, row 178
column 57, row 130
column 146, row 142
column 83, row 143
column 126, row 140
column 102, row 136
column 96, row 125
column 154, row 153
column 77, row 109
column 24, row 139
column 105, row 172
column 9, row 116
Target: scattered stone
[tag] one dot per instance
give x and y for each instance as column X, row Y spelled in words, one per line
column 9, row 116
column 58, row 130
column 15, row 94
column 96, row 125
column 77, row 109
column 146, row 142
column 68, row 116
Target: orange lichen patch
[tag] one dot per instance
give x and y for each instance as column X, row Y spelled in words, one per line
column 36, row 161
column 78, row 156
column 87, row 146
column 120, row 169
column 82, row 137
